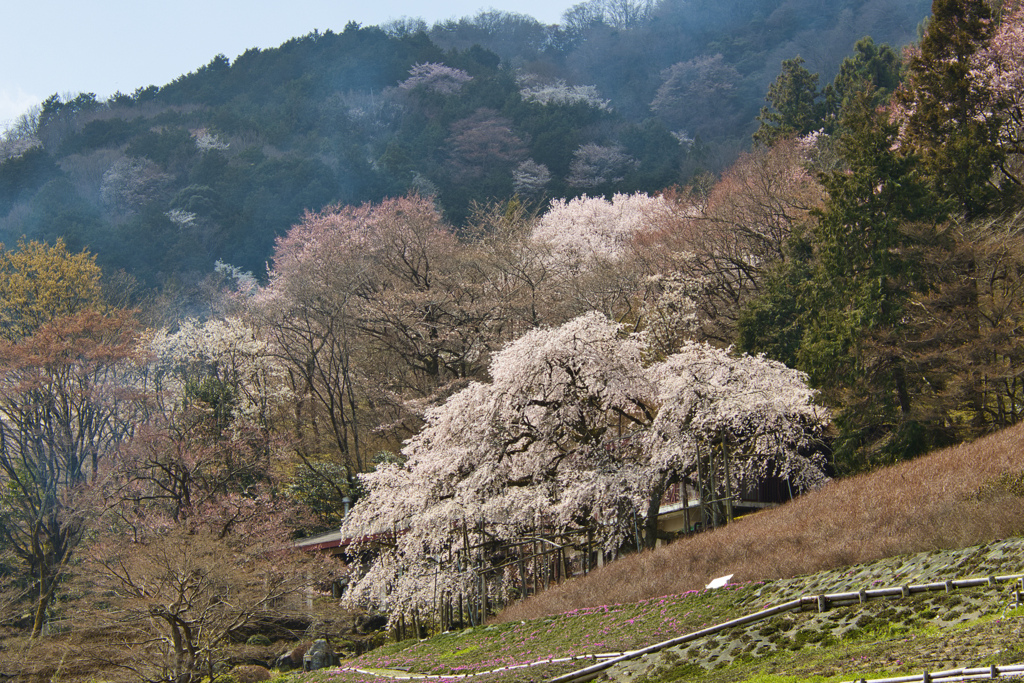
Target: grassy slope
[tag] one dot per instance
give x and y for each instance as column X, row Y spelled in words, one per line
column 915, row 514
column 929, row 503
column 934, row 631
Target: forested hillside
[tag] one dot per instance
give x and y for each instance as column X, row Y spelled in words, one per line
column 621, row 97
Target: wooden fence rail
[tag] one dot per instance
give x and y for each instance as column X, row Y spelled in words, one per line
column 821, row 603
column 977, row 674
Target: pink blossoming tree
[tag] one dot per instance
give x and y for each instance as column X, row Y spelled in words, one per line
column 998, row 69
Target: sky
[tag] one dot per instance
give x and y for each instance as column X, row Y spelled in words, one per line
column 105, row 46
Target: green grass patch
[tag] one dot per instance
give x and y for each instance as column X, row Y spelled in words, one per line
column 875, row 640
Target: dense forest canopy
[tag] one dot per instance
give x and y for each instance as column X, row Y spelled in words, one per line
column 623, row 96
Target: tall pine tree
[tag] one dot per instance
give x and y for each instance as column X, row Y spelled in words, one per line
column 837, row 310
column 796, row 105
column 947, row 116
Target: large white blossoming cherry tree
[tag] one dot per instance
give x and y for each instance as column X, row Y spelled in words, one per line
column 575, row 433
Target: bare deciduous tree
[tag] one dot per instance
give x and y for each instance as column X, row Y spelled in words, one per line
column 170, row 602
column 69, row 396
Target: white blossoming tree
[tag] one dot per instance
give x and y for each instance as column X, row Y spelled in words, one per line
column 558, row 92
column 436, row 78
column 585, row 230
column 574, row 433
column 226, row 352
column 131, row 183
column 530, row 178
column 599, row 166
column 726, row 420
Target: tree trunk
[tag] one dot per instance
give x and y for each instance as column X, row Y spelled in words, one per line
column 651, row 519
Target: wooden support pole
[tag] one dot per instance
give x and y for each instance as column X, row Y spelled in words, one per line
column 483, row 598
column 522, row 575
column 700, row 493
column 728, row 483
column 538, row 567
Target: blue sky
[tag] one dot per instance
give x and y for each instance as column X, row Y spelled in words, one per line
column 72, row 46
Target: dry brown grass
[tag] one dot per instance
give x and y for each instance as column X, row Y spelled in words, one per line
column 952, row 498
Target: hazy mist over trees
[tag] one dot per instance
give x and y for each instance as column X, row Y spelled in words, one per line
column 220, row 162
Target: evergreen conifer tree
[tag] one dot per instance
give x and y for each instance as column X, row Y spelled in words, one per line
column 947, row 116
column 796, row 106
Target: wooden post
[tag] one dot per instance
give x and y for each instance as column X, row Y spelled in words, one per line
column 587, row 568
column 686, row 507
column 700, row 493
column 522, row 574
column 439, row 616
column 537, row 568
column 713, row 488
column 483, row 597
column 728, row 482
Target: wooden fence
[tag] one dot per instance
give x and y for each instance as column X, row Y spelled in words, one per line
column 820, row 603
column 977, row 674
column 504, row 572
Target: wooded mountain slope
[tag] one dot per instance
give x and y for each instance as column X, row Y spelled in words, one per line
column 220, row 162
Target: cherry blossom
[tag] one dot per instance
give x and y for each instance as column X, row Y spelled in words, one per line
column 574, row 432
column 207, row 140
column 558, row 92
column 583, row 230
column 228, row 350
column 763, row 409
column 437, row 78
column 530, row 178
column 129, row 184
column 370, row 307
column 998, row 69
column 181, row 218
column 596, row 165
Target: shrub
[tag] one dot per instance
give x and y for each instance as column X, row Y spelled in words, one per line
column 250, row 673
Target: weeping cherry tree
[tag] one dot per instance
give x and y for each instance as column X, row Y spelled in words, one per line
column 575, row 432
